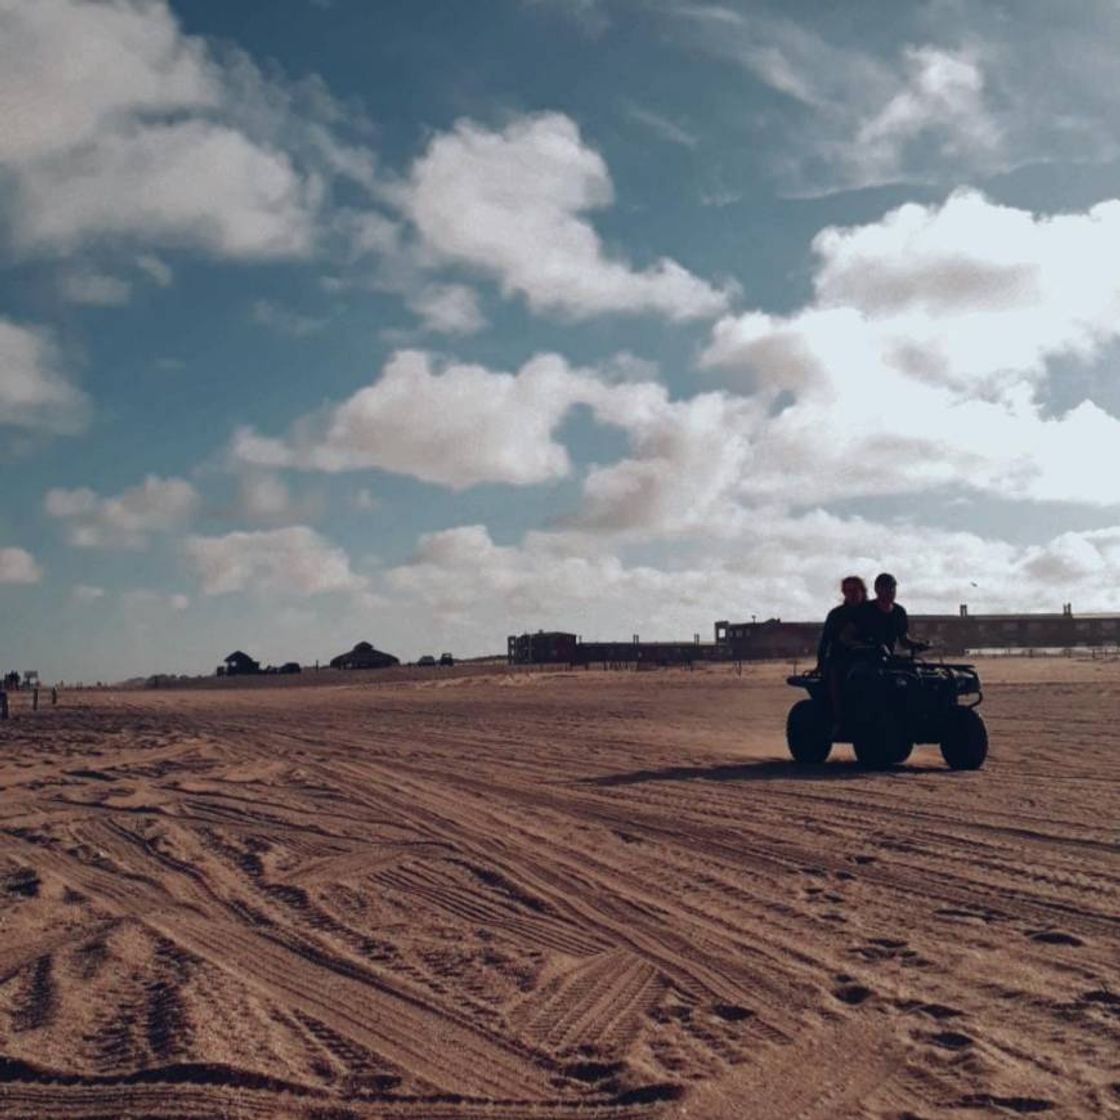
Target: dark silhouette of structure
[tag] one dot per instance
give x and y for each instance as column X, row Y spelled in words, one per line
column 541, row 648
column 774, row 639
column 364, row 656
column 239, row 664
column 560, row 648
column 947, row 633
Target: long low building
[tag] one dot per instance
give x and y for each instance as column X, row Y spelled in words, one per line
column 557, row 647
column 947, row 633
column 951, row 634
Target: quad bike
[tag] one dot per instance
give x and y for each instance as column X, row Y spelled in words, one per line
column 891, row 704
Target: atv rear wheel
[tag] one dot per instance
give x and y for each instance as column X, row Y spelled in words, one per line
column 807, row 732
column 964, row 740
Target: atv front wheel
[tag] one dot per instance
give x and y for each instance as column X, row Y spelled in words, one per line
column 807, row 732
column 964, row 740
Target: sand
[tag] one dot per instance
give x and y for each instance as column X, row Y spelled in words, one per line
column 555, row 894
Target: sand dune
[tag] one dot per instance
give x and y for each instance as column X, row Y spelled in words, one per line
column 567, row 894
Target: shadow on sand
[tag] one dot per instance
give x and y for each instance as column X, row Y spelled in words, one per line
column 764, row 771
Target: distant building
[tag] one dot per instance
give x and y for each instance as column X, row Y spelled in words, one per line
column 239, row 664
column 543, row 647
column 364, row 656
column 948, row 633
column 559, row 648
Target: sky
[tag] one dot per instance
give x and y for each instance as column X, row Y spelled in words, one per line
column 424, row 324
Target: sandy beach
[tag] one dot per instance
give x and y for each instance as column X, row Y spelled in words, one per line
column 554, row 894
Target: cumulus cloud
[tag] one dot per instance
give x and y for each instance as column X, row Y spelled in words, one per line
column 150, row 135
column 96, row 289
column 687, row 468
column 463, row 425
column 527, row 190
column 920, row 360
column 125, row 520
column 35, row 393
column 294, row 561
column 782, row 565
column 264, row 498
column 86, row 593
column 456, row 427
column 190, row 183
column 919, row 365
column 448, row 308
column 17, row 565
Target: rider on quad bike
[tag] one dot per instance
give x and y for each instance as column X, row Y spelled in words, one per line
column 887, row 704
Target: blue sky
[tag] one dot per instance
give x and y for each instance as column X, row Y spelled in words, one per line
column 323, row 320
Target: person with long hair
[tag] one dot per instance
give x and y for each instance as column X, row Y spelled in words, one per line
column 833, row 656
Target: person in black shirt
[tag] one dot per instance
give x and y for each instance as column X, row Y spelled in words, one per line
column 832, row 655
column 882, row 623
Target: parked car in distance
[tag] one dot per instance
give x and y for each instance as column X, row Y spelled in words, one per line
column 426, row 660
column 446, row 659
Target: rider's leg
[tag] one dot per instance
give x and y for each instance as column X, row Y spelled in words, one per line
column 835, row 673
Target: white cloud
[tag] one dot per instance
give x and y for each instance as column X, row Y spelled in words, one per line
column 295, row 560
column 464, row 425
column 284, row 320
column 943, row 89
column 264, row 496
column 125, row 520
column 527, row 189
column 97, row 289
column 463, row 583
column 662, row 126
column 190, row 183
column 17, row 565
column 856, row 119
column 456, row 427
column 121, row 59
column 626, row 366
column 156, row 269
column 35, row 393
column 688, row 465
column 144, row 601
column 86, row 593
column 918, row 366
column 147, row 134
column 448, row 308
column 920, row 360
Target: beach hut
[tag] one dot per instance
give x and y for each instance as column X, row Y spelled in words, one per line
column 364, row 656
column 239, row 664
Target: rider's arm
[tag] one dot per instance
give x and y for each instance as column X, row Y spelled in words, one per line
column 849, row 635
column 904, row 638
